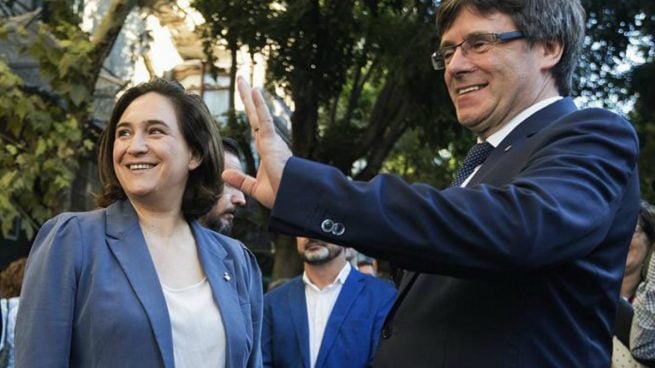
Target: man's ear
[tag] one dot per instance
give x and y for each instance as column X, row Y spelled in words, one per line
column 551, row 53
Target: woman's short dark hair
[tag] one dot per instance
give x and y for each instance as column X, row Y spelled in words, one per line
column 200, row 133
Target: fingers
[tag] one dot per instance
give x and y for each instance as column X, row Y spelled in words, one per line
column 245, row 92
column 239, row 180
column 263, row 114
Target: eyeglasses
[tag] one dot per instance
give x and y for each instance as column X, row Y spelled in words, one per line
column 478, row 43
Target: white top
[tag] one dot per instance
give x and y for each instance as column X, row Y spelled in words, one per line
column 198, row 331
column 9, row 308
column 319, row 307
column 503, row 132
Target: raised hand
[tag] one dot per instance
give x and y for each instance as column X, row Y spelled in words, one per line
column 273, row 152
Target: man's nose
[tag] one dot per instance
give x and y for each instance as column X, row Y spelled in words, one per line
column 459, row 61
column 237, row 197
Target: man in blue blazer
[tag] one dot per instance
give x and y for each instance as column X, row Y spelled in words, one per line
column 519, row 263
column 331, row 316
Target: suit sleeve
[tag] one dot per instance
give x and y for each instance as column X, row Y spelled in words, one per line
column 44, row 323
column 556, row 208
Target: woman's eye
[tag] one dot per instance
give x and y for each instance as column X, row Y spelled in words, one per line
column 122, row 132
column 156, row 131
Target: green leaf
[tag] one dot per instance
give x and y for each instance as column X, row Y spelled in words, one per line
column 78, row 93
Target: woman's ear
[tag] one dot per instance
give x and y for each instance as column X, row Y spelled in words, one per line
column 194, row 162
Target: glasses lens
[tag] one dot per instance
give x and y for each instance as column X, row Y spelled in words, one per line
column 437, row 61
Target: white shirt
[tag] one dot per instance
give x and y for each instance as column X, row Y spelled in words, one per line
column 503, row 132
column 198, row 331
column 319, row 307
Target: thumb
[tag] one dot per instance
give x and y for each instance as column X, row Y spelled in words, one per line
column 239, row 180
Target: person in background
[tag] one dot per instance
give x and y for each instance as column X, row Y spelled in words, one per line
column 635, row 272
column 362, row 262
column 642, row 333
column 641, row 247
column 11, row 279
column 221, row 217
column 330, row 316
column 139, row 282
column 519, row 262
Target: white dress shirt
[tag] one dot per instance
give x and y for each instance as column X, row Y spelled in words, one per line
column 503, row 132
column 198, row 331
column 319, row 307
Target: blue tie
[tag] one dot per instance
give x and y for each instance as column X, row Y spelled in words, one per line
column 476, row 156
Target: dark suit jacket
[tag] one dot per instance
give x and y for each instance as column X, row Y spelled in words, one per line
column 352, row 330
column 521, row 268
column 91, row 296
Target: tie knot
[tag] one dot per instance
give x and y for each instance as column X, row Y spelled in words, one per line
column 476, row 156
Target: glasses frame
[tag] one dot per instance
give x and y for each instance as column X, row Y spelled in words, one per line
column 439, row 61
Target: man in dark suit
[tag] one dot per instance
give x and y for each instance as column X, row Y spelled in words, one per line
column 331, row 316
column 520, row 261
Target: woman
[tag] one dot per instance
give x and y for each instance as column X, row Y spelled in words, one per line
column 140, row 283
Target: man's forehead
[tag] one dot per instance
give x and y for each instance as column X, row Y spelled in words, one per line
column 232, row 161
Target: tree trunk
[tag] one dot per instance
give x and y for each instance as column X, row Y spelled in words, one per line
column 304, row 121
column 231, row 113
column 106, row 33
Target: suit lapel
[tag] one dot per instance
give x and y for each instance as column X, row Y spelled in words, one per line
column 527, row 128
column 220, row 272
column 346, row 299
column 298, row 311
column 530, row 126
column 126, row 242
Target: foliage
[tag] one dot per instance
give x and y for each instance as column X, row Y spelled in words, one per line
column 612, row 28
column 231, row 24
column 643, row 117
column 42, row 133
column 43, row 125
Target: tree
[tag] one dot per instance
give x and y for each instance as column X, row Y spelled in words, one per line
column 43, row 127
column 339, row 61
column 232, row 24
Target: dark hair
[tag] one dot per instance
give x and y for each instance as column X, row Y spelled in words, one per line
column 200, row 133
column 11, row 278
column 538, row 20
column 232, row 146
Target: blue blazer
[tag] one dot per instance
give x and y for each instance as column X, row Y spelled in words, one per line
column 522, row 268
column 91, row 296
column 351, row 333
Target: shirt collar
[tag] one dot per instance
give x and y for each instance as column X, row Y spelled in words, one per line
column 340, row 279
column 503, row 132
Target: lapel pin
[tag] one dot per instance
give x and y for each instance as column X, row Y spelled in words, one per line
column 227, row 276
column 508, row 148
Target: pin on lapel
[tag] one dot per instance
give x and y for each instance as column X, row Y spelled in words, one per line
column 508, row 148
column 227, row 276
